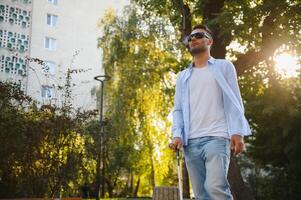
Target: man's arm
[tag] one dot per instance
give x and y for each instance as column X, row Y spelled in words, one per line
column 237, row 141
column 178, row 123
column 231, row 78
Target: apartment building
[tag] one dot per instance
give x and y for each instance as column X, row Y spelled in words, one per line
column 41, row 39
column 15, row 23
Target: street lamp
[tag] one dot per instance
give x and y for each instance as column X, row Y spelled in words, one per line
column 102, row 79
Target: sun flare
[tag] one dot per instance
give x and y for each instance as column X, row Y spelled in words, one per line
column 287, row 65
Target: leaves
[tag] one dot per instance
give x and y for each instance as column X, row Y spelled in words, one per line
column 140, row 58
column 41, row 148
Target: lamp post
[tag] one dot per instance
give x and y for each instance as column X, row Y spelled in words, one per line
column 101, row 152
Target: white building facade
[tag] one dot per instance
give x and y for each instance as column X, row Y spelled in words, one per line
column 41, row 39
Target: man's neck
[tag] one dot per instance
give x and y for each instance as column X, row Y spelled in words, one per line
column 201, row 60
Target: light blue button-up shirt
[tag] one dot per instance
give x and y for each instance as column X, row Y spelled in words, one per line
column 225, row 74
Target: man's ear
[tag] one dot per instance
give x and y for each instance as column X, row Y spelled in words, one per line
column 210, row 42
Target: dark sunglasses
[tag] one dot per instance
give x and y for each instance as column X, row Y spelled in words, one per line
column 198, row 35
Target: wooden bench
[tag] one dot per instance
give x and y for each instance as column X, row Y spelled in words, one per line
column 166, row 193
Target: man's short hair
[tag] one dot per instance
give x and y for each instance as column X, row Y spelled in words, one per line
column 204, row 27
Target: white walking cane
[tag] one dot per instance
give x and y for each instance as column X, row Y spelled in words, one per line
column 179, row 176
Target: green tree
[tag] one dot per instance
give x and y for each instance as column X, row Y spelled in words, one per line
column 138, row 53
column 41, row 147
column 274, row 107
column 260, row 28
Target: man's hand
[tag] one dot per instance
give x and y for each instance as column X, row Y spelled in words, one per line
column 237, row 144
column 176, row 143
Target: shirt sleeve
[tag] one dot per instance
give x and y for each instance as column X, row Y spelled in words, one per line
column 178, row 123
column 239, row 123
column 233, row 82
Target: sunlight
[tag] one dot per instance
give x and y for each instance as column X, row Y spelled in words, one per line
column 287, row 65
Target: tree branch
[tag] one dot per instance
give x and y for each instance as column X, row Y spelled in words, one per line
column 271, row 40
column 251, row 58
column 247, row 61
column 185, row 26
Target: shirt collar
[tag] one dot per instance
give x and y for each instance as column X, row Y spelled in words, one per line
column 210, row 61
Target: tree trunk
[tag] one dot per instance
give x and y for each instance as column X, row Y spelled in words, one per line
column 131, row 183
column 153, row 183
column 238, row 188
column 186, row 188
column 136, row 188
column 220, row 41
column 110, row 187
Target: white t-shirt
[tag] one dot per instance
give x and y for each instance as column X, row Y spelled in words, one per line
column 207, row 117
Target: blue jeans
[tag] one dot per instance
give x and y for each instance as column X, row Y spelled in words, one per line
column 207, row 160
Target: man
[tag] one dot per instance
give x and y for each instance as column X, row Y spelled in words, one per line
column 208, row 118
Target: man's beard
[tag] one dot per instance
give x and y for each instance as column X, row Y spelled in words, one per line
column 197, row 50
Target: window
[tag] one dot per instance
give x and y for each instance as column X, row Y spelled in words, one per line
column 47, row 92
column 53, row 1
column 50, row 43
column 51, row 20
column 49, row 68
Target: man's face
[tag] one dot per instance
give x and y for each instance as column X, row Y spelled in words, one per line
column 199, row 41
